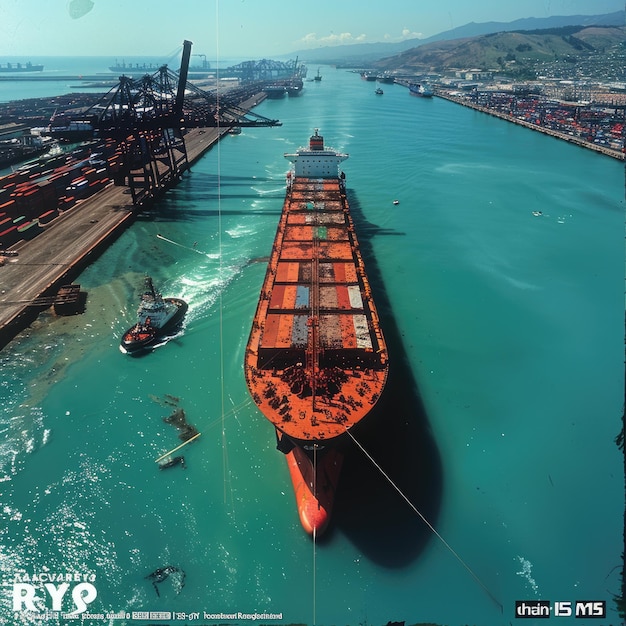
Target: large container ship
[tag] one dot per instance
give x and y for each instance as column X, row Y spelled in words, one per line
column 19, row 67
column 316, row 361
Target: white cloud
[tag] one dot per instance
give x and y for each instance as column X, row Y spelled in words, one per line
column 311, row 39
column 406, row 34
column 409, row 34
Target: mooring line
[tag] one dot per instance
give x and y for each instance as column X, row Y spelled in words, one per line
column 432, row 528
column 180, row 245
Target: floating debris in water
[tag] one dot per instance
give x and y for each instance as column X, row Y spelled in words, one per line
column 166, row 400
column 527, row 567
column 169, row 461
column 161, row 574
column 185, row 430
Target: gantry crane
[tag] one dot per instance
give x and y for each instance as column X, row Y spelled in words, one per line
column 142, row 123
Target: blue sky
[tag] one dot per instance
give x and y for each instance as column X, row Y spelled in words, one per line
column 247, row 28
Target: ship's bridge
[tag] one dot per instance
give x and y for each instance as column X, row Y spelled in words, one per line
column 316, row 161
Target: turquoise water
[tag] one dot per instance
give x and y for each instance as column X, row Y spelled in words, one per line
column 505, row 332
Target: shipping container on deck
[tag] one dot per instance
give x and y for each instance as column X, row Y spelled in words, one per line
column 287, row 272
column 277, row 297
column 305, row 272
column 302, row 297
column 284, row 340
column 328, row 298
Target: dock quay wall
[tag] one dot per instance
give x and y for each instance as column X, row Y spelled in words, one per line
column 616, row 154
column 73, row 240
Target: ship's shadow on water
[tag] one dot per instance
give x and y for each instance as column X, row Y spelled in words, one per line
column 396, row 435
column 215, row 190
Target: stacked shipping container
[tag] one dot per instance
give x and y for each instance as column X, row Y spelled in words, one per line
column 33, row 195
column 317, row 234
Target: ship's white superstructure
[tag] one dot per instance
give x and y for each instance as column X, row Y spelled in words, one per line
column 316, row 161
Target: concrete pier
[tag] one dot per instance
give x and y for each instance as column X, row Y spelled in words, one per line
column 72, row 241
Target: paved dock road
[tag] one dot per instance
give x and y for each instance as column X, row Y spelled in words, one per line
column 64, row 245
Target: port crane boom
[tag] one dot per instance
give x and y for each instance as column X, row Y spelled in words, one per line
column 143, row 122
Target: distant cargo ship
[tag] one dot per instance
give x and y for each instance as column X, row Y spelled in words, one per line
column 274, row 92
column 316, row 361
column 18, row 67
column 295, row 86
column 421, row 90
column 139, row 69
column 134, row 68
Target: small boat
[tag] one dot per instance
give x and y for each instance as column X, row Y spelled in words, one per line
column 156, row 316
column 318, row 76
column 379, row 91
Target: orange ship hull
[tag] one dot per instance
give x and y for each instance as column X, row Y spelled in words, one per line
column 314, row 485
column 316, row 360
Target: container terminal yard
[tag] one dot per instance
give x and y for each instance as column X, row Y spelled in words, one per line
column 66, row 241
column 57, row 214
column 597, row 126
column 597, row 123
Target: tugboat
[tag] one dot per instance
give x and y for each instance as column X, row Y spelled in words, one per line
column 156, row 316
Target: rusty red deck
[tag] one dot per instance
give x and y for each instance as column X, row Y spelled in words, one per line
column 316, row 360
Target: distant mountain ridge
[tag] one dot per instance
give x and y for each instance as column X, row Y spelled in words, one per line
column 518, row 53
column 362, row 54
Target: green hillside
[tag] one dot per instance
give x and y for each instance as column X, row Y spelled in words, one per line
column 515, row 52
